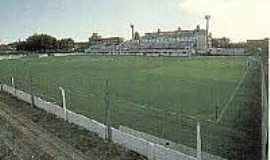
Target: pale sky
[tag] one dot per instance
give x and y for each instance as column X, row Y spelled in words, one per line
column 237, row 19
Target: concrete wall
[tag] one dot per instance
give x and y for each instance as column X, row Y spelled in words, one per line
column 149, row 149
column 157, row 140
column 47, row 106
column 169, row 144
column 131, row 142
column 88, row 124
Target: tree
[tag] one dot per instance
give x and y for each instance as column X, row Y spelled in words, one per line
column 37, row 42
column 40, row 42
column 44, row 43
column 67, row 43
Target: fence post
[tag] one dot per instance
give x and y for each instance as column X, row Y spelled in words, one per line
column 217, row 112
column 199, row 142
column 14, row 86
column 64, row 102
column 1, row 86
column 31, row 90
column 108, row 122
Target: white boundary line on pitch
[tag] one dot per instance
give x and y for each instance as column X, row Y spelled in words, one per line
column 233, row 94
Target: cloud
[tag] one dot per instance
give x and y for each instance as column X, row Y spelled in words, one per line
column 238, row 19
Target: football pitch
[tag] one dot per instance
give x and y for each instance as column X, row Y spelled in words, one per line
column 161, row 96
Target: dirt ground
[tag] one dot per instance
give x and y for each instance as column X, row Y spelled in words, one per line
column 28, row 133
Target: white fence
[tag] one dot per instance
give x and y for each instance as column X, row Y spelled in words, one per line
column 228, row 51
column 8, row 57
column 143, row 52
column 151, row 150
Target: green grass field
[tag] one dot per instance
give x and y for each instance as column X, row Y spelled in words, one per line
column 154, row 95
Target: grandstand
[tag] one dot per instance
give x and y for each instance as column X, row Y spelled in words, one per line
column 179, row 42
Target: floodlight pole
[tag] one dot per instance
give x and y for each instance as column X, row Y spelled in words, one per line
column 207, row 18
column 132, row 31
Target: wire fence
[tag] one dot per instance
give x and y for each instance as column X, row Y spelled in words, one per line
column 229, row 125
column 265, row 102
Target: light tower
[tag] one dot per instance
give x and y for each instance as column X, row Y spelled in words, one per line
column 207, row 18
column 132, row 31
